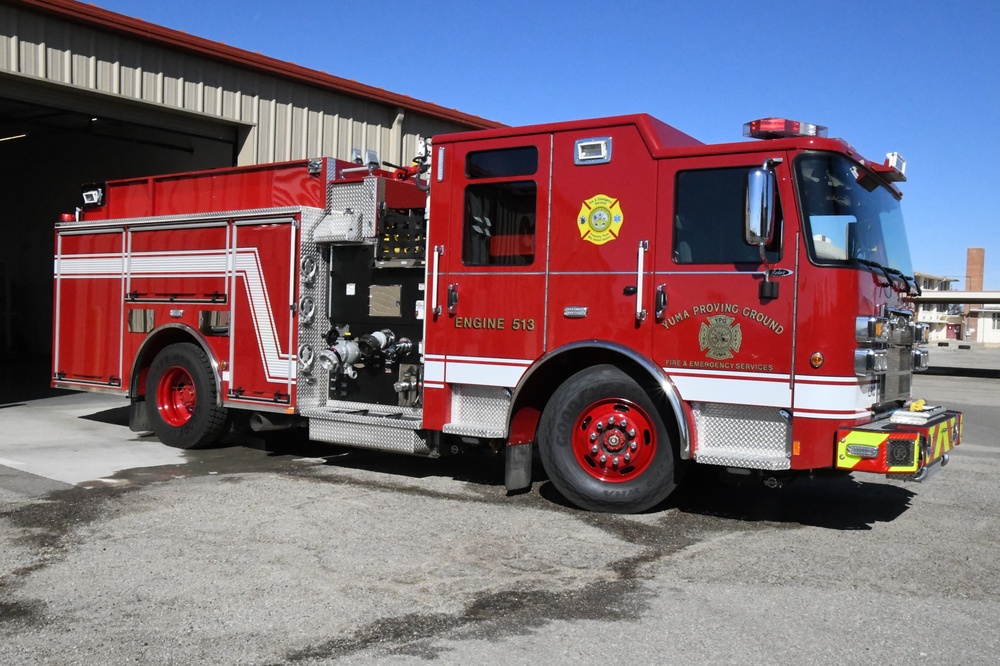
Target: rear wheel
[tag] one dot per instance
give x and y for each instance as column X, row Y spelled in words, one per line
column 182, row 398
column 604, row 445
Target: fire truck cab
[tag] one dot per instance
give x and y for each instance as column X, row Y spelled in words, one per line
column 612, row 292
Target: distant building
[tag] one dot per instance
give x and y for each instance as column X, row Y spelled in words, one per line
column 945, row 320
column 987, row 328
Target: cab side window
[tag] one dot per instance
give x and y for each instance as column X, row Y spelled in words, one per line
column 499, row 216
column 708, row 219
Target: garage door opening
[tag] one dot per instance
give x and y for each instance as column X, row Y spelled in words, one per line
column 46, row 154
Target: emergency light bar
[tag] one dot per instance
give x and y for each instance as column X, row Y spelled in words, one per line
column 778, row 128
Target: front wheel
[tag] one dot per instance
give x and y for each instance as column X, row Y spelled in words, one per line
column 182, row 398
column 604, row 445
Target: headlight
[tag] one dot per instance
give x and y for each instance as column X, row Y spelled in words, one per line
column 869, row 362
column 921, row 334
column 871, row 329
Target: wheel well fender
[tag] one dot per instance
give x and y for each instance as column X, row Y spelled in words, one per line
column 541, row 380
column 157, row 341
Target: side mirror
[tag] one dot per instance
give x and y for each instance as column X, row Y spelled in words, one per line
column 758, row 221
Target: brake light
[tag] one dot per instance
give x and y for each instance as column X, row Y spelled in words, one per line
column 777, row 128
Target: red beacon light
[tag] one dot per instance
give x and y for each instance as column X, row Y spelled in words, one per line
column 780, row 128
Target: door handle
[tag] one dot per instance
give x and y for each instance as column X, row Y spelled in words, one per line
column 452, row 298
column 661, row 301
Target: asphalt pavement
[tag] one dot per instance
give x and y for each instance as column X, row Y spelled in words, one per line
column 115, row 549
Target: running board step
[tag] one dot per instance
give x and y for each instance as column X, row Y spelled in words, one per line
column 381, row 429
column 474, row 430
column 730, row 458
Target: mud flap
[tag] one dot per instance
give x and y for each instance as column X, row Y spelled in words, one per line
column 517, row 467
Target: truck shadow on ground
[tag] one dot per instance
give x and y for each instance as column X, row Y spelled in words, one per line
column 839, row 502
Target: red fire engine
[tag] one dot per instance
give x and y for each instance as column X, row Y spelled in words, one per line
column 612, row 292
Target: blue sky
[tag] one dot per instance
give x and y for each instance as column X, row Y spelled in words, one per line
column 920, row 77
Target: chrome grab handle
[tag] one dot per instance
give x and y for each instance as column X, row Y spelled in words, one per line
column 435, row 308
column 640, row 312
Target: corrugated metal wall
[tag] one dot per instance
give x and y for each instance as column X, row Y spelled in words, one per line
column 278, row 119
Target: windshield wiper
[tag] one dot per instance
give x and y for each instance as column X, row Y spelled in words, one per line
column 890, row 273
column 906, row 280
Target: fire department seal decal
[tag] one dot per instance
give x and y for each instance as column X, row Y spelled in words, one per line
column 600, row 219
column 720, row 337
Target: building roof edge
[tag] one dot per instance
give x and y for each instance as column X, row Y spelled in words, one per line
column 104, row 19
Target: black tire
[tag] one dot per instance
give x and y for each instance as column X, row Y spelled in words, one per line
column 634, row 467
column 182, row 398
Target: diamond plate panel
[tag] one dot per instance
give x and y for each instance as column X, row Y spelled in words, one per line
column 369, row 432
column 353, row 212
column 474, row 430
column 375, row 409
column 311, row 380
column 742, row 436
column 899, row 375
column 479, row 407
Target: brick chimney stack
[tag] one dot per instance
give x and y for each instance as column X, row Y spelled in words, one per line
column 975, row 260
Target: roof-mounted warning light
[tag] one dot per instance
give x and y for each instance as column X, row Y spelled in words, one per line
column 779, row 128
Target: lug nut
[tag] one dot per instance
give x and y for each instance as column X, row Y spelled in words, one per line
column 604, row 459
column 594, row 449
column 633, row 446
column 611, row 420
column 600, row 426
column 628, row 457
column 624, row 424
column 593, row 436
column 631, row 433
column 614, row 461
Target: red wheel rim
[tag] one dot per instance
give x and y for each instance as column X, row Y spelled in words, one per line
column 175, row 396
column 614, row 440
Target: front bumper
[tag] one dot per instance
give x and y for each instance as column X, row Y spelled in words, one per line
column 898, row 449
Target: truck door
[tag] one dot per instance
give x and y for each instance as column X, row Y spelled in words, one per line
column 488, row 238
column 89, row 283
column 725, row 342
column 262, row 335
column 603, row 230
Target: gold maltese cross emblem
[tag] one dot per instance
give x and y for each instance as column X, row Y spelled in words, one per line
column 720, row 337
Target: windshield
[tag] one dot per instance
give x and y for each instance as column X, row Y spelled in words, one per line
column 851, row 217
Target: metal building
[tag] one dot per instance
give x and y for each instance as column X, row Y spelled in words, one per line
column 89, row 95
